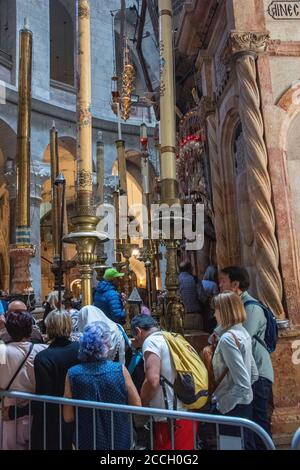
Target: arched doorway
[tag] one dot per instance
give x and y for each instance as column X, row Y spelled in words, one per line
column 293, row 168
column 67, row 165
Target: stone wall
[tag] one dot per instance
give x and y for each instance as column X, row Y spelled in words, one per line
column 255, row 63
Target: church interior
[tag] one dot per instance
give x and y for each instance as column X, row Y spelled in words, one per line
column 113, row 104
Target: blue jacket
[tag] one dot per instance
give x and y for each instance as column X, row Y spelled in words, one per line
column 109, row 301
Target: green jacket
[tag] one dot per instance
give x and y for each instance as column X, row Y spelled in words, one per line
column 256, row 325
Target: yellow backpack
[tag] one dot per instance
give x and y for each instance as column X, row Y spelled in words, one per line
column 191, row 382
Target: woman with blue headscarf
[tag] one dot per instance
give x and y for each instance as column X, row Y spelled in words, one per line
column 99, row 379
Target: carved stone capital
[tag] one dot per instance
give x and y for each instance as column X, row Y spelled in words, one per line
column 110, row 185
column 248, row 41
column 39, row 173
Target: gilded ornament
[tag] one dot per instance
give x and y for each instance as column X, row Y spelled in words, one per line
column 85, row 179
column 84, row 9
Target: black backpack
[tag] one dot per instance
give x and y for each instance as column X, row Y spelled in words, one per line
column 271, row 334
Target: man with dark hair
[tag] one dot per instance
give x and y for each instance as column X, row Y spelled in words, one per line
column 236, row 279
column 189, row 289
column 20, row 351
column 158, row 363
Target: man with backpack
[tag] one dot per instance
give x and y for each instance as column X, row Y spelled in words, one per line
column 261, row 326
column 158, row 364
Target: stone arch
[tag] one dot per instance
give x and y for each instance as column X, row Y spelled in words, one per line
column 230, row 123
column 67, row 165
column 62, row 41
column 288, row 145
column 291, row 158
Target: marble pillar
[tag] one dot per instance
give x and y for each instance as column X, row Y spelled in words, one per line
column 245, row 47
column 38, row 176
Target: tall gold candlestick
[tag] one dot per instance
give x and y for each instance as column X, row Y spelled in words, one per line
column 23, row 250
column 169, row 183
column 24, row 133
column 85, row 235
column 100, row 169
column 84, row 117
column 54, row 173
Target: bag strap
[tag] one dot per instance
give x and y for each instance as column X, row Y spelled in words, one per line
column 134, row 361
column 226, row 370
column 20, row 367
column 259, row 304
column 163, row 382
column 260, row 341
column 126, row 339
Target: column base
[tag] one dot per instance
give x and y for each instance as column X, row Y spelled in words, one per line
column 285, row 422
column 21, row 281
column 286, row 388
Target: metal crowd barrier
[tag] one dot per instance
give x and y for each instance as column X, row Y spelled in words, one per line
column 134, row 412
column 296, row 440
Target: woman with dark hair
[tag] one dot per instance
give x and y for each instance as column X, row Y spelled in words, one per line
column 101, row 380
column 17, row 373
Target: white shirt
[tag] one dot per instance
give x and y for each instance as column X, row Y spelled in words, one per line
column 11, row 356
column 236, row 387
column 155, row 343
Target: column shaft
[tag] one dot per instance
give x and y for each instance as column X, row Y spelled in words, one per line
column 269, row 284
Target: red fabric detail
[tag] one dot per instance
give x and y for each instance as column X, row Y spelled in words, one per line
column 183, row 435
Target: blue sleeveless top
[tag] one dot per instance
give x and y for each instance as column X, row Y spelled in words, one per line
column 101, row 382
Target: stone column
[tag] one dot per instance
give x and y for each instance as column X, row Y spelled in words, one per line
column 269, row 284
column 217, row 183
column 38, row 176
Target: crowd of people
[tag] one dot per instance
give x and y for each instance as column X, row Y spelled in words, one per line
column 87, row 355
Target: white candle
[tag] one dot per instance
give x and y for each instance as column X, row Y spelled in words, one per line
column 26, row 23
column 119, row 122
